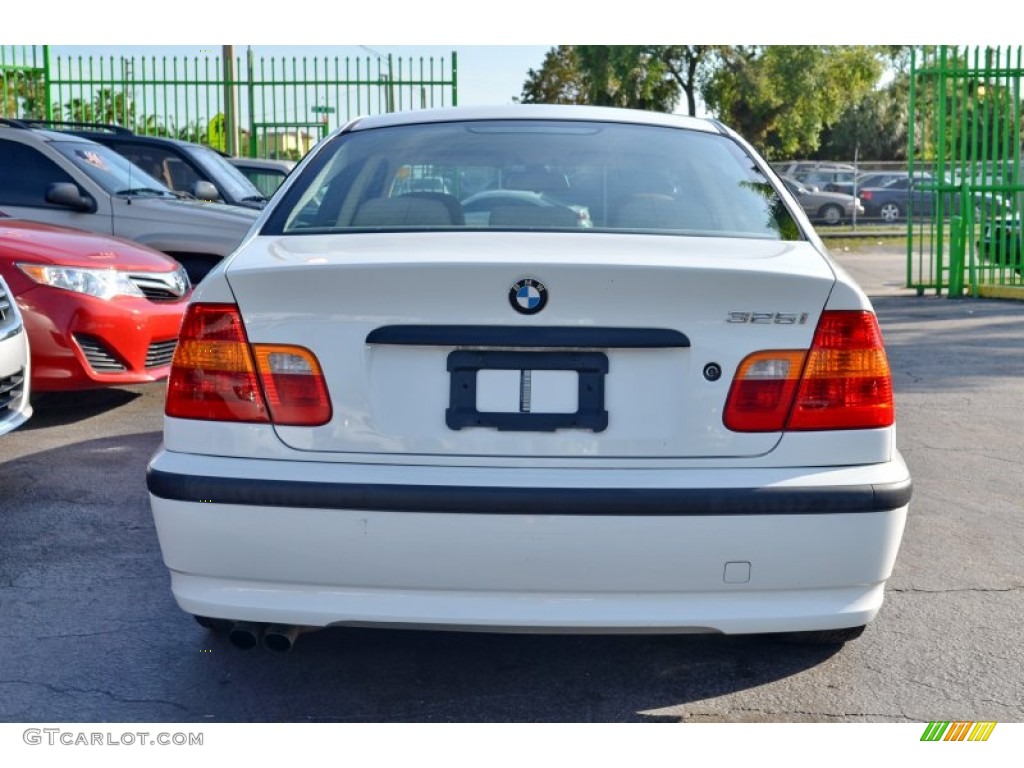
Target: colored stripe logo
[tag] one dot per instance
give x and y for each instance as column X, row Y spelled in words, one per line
column 959, row 730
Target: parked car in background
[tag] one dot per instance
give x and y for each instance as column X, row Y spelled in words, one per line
column 182, row 166
column 61, row 179
column 15, row 364
column 827, row 207
column 904, row 195
column 895, row 199
column 99, row 311
column 408, row 184
column 1002, row 241
column 497, row 206
column 385, row 412
column 873, row 179
column 264, row 174
column 826, row 176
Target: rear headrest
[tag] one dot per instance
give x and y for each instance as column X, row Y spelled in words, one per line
column 532, row 216
column 403, row 211
column 654, row 211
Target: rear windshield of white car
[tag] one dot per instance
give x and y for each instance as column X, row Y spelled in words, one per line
column 533, row 175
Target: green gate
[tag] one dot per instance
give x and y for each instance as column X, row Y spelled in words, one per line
column 966, row 129
column 261, row 107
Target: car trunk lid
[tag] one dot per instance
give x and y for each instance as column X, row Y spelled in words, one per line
column 631, row 355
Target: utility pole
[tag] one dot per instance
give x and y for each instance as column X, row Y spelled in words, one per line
column 230, row 99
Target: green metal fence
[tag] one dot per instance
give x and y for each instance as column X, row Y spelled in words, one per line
column 242, row 104
column 966, row 127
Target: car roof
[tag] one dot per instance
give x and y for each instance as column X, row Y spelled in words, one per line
column 535, row 112
column 140, row 138
column 44, row 134
column 262, row 162
column 98, row 132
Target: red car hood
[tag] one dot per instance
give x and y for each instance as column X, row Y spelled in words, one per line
column 31, row 241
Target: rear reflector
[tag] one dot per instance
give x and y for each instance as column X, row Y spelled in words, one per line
column 762, row 391
column 294, row 383
column 842, row 382
column 217, row 375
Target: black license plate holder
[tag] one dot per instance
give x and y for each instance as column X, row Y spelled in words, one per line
column 590, row 367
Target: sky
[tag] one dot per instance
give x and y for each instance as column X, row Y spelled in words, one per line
column 497, row 44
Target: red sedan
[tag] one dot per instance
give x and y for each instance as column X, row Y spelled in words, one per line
column 100, row 311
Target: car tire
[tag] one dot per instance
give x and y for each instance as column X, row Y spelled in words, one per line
column 890, row 213
column 823, row 636
column 831, row 215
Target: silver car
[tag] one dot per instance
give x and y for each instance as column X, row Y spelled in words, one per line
column 69, row 181
column 14, row 364
column 830, row 208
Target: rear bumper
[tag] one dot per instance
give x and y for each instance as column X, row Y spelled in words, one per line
column 352, row 545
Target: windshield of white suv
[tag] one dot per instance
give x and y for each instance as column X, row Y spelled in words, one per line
column 112, row 171
column 228, row 177
column 534, row 175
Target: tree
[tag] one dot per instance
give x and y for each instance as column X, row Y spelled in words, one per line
column 782, row 97
column 559, row 80
column 876, row 128
column 873, row 129
column 630, row 76
column 107, row 106
column 22, row 94
column 689, row 66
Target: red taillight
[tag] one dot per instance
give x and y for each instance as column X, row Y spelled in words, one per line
column 846, row 383
column 216, row 375
column 843, row 382
column 865, row 195
column 213, row 375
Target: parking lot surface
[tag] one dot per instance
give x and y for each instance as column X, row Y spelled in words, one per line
column 89, row 631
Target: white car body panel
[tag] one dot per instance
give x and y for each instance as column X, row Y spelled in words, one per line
column 342, row 287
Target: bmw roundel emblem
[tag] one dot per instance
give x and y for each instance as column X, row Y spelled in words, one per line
column 528, row 296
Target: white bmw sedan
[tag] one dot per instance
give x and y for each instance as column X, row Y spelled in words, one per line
column 384, row 412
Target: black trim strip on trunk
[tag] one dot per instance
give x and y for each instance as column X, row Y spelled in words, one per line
column 529, row 501
column 527, row 336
